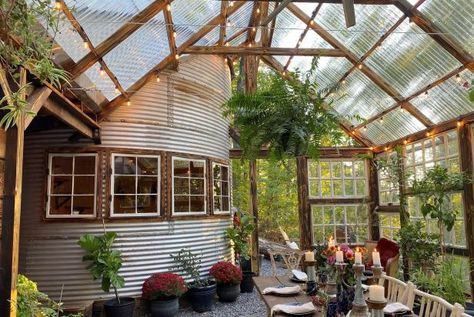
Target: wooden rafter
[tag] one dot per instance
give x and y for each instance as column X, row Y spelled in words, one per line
column 257, row 50
column 35, row 101
column 171, row 36
column 442, row 38
column 368, row 2
column 255, row 19
column 120, row 35
column 210, row 25
column 303, row 34
column 222, row 30
column 267, row 31
column 278, row 67
column 377, row 79
column 272, row 16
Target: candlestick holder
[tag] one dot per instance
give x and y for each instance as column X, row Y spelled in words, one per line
column 359, row 307
column 376, row 307
column 377, row 270
column 311, row 285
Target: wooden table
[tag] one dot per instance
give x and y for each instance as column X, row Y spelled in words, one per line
column 262, row 282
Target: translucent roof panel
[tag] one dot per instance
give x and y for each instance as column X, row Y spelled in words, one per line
column 396, row 125
column 210, row 38
column 446, row 101
column 190, row 15
column 372, row 22
column 102, row 83
column 288, row 29
column 409, row 59
column 453, row 17
column 239, row 20
column 359, row 96
column 313, row 40
column 282, row 59
column 101, row 18
column 329, row 71
column 140, row 52
column 239, row 39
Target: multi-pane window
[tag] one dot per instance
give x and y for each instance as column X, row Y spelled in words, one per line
column 221, row 188
column 388, row 183
column 189, row 186
column 345, row 223
column 457, row 236
column 135, row 185
column 389, row 224
column 423, row 155
column 337, row 178
column 72, row 186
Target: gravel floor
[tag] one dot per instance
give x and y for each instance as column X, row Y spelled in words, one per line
column 247, row 305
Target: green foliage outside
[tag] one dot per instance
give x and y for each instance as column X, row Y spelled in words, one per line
column 25, row 50
column 105, row 262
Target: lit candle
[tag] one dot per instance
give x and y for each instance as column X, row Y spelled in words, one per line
column 377, row 293
column 309, row 256
column 358, row 257
column 339, row 256
column 376, row 258
column 331, row 242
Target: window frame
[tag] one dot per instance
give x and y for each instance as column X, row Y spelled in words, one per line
column 51, row 155
column 190, row 213
column 112, row 186
column 228, row 188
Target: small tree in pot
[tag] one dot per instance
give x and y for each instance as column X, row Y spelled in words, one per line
column 228, row 277
column 163, row 291
column 105, row 264
column 201, row 290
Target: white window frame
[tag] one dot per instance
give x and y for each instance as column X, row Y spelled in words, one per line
column 112, row 186
column 391, row 227
column 228, row 188
column 190, row 213
column 394, row 191
column 50, row 174
column 318, row 178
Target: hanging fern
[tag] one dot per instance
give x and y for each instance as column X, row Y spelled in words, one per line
column 285, row 116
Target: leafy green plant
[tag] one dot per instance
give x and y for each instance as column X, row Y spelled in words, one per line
column 240, row 233
column 189, row 264
column 31, row 302
column 420, row 247
column 287, row 116
column 435, row 190
column 105, row 262
column 25, row 49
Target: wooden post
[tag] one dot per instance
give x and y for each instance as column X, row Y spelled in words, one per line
column 404, row 215
column 254, row 212
column 374, row 201
column 304, row 207
column 465, row 155
column 11, row 219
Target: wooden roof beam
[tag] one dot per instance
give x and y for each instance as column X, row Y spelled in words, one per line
column 35, row 102
column 272, row 16
column 222, row 30
column 368, row 2
column 254, row 22
column 210, row 25
column 442, row 38
column 171, row 35
column 377, row 79
column 256, row 50
column 120, row 35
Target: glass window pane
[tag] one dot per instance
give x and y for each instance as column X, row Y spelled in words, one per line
column 225, row 203
column 217, row 203
column 147, row 185
column 83, row 205
column 428, row 150
column 349, row 187
column 84, row 184
column 225, row 188
column 181, row 186
column 124, row 185
column 216, row 170
column 197, row 169
column 197, row 186
column 440, row 150
column 339, row 214
column 351, row 234
column 326, row 188
column 181, row 168
column 313, row 168
column 359, row 168
column 409, row 155
column 61, row 185
column 351, row 215
column 124, row 165
column 325, row 171
column 453, row 165
column 124, row 204
column 452, row 143
column 217, row 188
column 225, row 173
column 147, row 204
column 360, row 187
column 61, row 165
column 60, row 205
column 348, row 169
column 314, row 188
column 340, row 234
column 336, row 169
column 84, row 165
column 197, row 203
column 418, row 153
column 328, row 215
column 181, row 203
column 319, row 235
column 338, row 191
column 147, row 166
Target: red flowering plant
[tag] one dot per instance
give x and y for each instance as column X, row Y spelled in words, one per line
column 163, row 285
column 226, row 273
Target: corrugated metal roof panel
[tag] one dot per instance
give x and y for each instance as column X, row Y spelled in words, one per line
column 409, row 59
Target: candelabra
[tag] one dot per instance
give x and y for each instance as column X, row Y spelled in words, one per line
column 311, row 286
column 377, row 270
column 359, row 307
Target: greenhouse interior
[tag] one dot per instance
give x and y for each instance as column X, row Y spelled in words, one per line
column 236, row 158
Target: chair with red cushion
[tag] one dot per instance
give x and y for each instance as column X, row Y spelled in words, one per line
column 389, row 256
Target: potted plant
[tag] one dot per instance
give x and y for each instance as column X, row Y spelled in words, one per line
column 105, row 262
column 163, row 291
column 239, row 234
column 201, row 291
column 228, row 277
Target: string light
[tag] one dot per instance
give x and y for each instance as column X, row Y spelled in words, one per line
column 359, row 66
column 176, row 56
column 254, row 29
column 402, row 109
column 365, row 128
column 258, row 11
column 226, row 44
column 250, row 44
column 225, row 60
column 381, row 119
column 158, row 78
column 371, row 148
column 458, row 78
column 386, row 148
column 311, row 22
column 343, row 82
column 353, row 132
column 116, row 90
column 86, row 45
column 231, row 4
column 174, row 34
column 101, row 71
column 332, row 94
column 412, row 22
column 405, row 142
column 459, row 123
column 168, row 7
column 58, row 5
column 129, row 103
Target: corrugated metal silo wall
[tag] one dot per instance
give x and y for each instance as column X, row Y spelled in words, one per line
column 188, row 116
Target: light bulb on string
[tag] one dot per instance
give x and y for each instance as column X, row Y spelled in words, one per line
column 86, row 45
column 359, row 66
column 101, row 71
column 129, row 103
column 231, row 3
column 365, row 128
column 257, row 11
column 458, row 78
column 381, row 119
column 58, row 5
column 158, row 78
column 116, row 90
column 168, row 7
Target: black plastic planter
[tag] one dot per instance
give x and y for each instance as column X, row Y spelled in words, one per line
column 228, row 292
column 123, row 309
column 469, row 308
column 246, row 286
column 202, row 298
